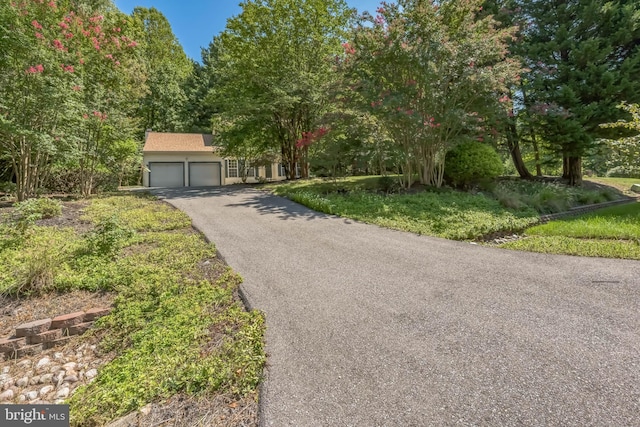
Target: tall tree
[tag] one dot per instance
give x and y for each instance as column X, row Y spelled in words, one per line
column 201, row 104
column 584, row 58
column 60, row 62
column 167, row 69
column 274, row 65
column 431, row 73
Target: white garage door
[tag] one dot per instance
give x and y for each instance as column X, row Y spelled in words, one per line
column 205, row 174
column 166, row 174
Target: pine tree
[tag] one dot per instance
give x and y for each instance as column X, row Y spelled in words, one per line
column 584, row 58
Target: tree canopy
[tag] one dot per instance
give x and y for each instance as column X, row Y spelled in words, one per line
column 313, row 85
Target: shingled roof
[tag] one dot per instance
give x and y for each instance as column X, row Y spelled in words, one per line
column 178, row 142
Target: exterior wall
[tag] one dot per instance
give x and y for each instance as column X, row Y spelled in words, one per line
column 251, row 179
column 203, row 157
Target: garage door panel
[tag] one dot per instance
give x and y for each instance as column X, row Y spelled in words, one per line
column 166, row 174
column 205, row 174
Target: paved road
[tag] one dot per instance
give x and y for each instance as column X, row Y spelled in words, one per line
column 373, row 327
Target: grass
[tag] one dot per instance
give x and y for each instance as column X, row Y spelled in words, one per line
column 622, row 184
column 450, row 215
column 611, row 232
column 505, row 206
column 172, row 329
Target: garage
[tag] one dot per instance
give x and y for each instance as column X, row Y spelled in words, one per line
column 205, row 174
column 166, row 174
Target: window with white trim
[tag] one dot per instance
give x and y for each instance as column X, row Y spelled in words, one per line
column 232, row 168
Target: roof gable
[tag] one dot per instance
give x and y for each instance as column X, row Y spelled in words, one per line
column 178, row 142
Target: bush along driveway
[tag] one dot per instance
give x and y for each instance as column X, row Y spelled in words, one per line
column 371, row 326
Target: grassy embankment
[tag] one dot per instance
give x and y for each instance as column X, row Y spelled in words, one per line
column 506, row 206
column 176, row 326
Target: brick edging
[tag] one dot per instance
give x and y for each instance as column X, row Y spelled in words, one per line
column 33, row 337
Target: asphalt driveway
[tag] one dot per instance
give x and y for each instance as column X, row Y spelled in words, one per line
column 373, row 327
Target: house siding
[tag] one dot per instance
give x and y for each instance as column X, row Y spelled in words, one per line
column 186, row 158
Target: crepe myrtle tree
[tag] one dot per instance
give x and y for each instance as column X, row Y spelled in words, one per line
column 431, row 72
column 59, row 66
column 34, row 87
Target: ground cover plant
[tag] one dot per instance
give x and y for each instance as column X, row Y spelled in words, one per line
column 612, row 232
column 506, row 206
column 177, row 326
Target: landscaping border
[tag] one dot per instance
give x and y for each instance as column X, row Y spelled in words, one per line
column 577, row 210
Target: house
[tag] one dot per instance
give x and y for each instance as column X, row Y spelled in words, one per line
column 192, row 160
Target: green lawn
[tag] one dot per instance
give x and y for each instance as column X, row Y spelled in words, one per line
column 611, row 232
column 167, row 304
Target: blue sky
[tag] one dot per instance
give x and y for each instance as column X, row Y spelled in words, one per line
column 195, row 22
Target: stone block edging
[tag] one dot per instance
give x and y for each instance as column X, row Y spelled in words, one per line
column 579, row 210
column 33, row 337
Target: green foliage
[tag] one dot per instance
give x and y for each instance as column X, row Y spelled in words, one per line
column 617, row 222
column 448, row 214
column 505, row 206
column 108, row 237
column 388, row 184
column 138, row 213
column 191, row 339
column 167, row 69
column 41, row 208
column 30, row 264
column 547, row 197
column 66, row 83
column 273, row 73
column 582, row 61
column 472, row 162
column 8, row 188
column 171, row 330
column 430, row 72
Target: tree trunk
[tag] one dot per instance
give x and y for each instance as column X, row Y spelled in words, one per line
column 514, row 149
column 536, row 153
column 574, row 169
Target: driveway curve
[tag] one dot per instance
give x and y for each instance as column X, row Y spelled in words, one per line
column 373, row 327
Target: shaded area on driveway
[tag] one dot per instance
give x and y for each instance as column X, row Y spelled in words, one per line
column 260, row 201
column 374, row 327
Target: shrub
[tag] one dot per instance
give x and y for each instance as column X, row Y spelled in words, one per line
column 39, row 208
column 471, row 162
column 109, row 237
column 36, row 275
column 387, row 184
column 7, row 188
